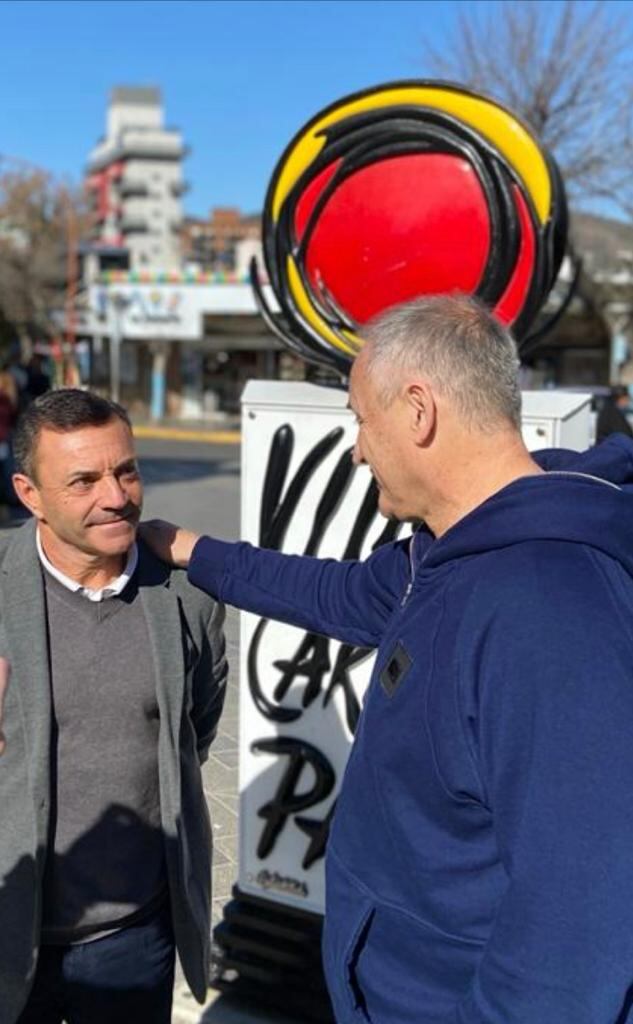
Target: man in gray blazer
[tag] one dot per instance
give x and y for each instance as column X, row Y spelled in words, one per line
column 117, row 683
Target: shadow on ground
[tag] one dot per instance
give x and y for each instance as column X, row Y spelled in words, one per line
column 230, row 1010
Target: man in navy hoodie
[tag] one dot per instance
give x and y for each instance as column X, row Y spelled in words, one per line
column 480, row 864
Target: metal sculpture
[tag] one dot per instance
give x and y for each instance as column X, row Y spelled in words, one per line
column 403, row 190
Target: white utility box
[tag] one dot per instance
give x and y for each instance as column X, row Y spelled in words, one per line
column 557, row 419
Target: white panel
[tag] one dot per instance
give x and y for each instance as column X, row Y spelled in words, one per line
column 557, row 419
column 280, row 874
column 538, row 433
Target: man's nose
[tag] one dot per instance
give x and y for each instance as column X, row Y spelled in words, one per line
column 112, row 493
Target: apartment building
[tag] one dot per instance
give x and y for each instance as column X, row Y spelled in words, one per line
column 135, row 180
column 223, row 242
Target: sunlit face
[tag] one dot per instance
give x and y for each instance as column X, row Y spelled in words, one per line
column 87, row 493
column 381, row 442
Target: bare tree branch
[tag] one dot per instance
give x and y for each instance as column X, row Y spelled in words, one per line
column 34, row 212
column 564, row 68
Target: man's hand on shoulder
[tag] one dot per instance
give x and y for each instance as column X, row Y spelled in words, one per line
column 5, row 672
column 169, row 542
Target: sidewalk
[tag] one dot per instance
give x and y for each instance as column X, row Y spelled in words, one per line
column 219, row 430
column 221, row 1009
column 221, row 789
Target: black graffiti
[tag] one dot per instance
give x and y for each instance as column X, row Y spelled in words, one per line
column 287, row 800
column 275, row 516
column 276, row 513
column 318, row 832
column 269, row 710
column 336, row 489
column 311, row 660
column 271, row 527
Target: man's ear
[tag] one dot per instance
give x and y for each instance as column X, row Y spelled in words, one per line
column 28, row 494
column 422, row 409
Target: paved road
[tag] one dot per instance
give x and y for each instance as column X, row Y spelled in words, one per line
column 198, row 485
column 195, row 483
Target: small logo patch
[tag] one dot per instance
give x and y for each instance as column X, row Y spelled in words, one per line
column 395, row 670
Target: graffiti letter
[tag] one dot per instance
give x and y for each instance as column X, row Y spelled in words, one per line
column 287, row 800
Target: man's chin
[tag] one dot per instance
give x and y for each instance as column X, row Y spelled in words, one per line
column 390, row 511
column 385, row 507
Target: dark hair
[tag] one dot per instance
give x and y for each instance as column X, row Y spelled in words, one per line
column 63, row 410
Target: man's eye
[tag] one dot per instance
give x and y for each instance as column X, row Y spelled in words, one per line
column 130, row 474
column 81, row 484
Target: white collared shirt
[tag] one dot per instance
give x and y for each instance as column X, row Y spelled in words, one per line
column 112, row 589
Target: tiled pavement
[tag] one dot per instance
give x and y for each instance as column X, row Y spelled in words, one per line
column 220, row 784
column 220, row 779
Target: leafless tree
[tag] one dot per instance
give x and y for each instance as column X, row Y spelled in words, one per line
column 38, row 222
column 564, row 67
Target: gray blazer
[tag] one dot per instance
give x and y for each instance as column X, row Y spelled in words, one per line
column 187, row 648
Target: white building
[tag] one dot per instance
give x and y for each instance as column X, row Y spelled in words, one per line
column 163, row 338
column 135, row 177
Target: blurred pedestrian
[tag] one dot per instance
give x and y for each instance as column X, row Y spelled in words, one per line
column 8, row 414
column 612, row 416
column 16, row 368
column 38, row 381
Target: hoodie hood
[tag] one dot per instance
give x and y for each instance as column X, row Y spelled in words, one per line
column 611, row 460
column 582, row 498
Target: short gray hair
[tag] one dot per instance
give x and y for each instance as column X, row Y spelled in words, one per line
column 457, row 344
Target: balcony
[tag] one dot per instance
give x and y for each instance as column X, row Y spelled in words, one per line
column 178, row 188
column 134, row 224
column 129, row 187
column 131, row 143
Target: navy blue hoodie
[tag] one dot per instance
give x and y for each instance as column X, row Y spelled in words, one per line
column 480, row 865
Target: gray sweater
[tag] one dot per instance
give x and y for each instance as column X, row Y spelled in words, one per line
column 105, row 864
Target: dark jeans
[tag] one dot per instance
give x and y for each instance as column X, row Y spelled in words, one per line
column 124, row 978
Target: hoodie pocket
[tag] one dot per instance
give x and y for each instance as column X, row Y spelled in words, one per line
column 347, row 925
column 383, row 963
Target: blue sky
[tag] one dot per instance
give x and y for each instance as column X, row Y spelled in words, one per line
column 238, row 78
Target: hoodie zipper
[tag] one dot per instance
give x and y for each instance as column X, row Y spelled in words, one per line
column 409, row 586
column 583, row 476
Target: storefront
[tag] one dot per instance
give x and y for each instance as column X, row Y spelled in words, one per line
column 180, row 348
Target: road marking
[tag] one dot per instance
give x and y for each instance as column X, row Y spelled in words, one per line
column 179, row 434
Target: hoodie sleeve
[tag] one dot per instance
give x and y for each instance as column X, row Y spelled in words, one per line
column 349, row 601
column 555, row 754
